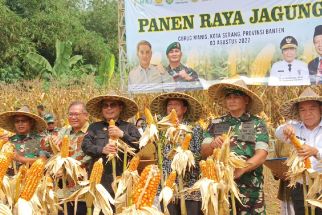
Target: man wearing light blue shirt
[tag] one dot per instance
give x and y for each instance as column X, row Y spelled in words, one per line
column 305, row 115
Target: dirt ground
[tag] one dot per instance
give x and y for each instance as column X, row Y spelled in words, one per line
column 270, row 192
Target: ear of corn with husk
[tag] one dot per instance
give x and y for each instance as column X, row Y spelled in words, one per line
column 93, row 193
column 167, row 192
column 151, row 133
column 68, row 165
column 144, row 192
column 297, row 165
column 126, row 183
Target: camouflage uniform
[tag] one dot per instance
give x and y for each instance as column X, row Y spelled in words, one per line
column 27, row 146
column 249, row 134
column 173, row 72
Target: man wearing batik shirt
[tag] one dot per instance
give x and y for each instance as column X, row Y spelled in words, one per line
column 188, row 111
column 306, row 124
column 250, row 139
column 76, row 130
column 78, row 125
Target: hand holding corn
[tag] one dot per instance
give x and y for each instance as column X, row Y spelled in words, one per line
column 217, row 142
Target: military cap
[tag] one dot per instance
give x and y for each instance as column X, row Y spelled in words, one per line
column 288, row 42
column 49, row 118
column 174, row 45
column 318, row 30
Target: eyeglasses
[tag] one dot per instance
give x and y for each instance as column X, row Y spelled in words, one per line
column 74, row 114
column 110, row 105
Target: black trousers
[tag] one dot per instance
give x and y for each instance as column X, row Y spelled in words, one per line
column 81, row 208
column 298, row 201
column 193, row 208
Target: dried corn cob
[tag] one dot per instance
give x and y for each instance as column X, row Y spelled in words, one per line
column 134, row 163
column 211, row 169
column 97, row 172
column 4, row 164
column 111, row 122
column 174, row 117
column 2, row 142
column 216, row 153
column 147, row 187
column 64, row 150
column 170, row 182
column 149, row 117
column 203, row 169
column 298, row 145
column 296, row 142
column 34, row 176
column 186, row 142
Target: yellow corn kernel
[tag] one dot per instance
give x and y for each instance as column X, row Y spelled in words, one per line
column 174, row 117
column 35, row 173
column 2, row 142
column 211, row 170
column 186, row 142
column 296, row 142
column 134, row 163
column 203, row 169
column 97, row 172
column 145, row 197
column 111, row 122
column 64, row 150
column 170, row 182
column 4, row 165
column 149, row 117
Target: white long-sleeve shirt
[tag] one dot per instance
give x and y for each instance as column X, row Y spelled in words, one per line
column 310, row 137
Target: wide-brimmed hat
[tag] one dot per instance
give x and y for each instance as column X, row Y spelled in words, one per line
column 7, row 121
column 159, row 105
column 94, row 106
column 290, row 108
column 218, row 92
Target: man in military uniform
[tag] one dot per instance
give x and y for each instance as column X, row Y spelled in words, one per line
column 147, row 76
column 188, row 110
column 178, row 71
column 250, row 139
column 289, row 71
column 48, row 134
column 315, row 66
column 27, row 126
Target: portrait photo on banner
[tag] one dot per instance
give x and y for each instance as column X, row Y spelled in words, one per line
column 190, row 45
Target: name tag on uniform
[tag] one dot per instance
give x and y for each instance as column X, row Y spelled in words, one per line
column 247, row 132
column 280, row 70
column 219, row 128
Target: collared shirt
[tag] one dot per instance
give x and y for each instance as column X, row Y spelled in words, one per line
column 192, row 176
column 311, row 137
column 76, row 139
column 194, row 83
column 150, row 79
column 95, row 140
column 289, row 74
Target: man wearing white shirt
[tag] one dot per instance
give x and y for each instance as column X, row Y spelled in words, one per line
column 305, row 113
column 315, row 66
column 289, row 71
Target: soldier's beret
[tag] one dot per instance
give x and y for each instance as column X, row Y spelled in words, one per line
column 174, row 45
column 318, row 30
column 288, row 42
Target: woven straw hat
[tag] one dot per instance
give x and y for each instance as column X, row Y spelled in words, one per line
column 94, row 107
column 218, row 92
column 159, row 105
column 7, row 119
column 289, row 109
